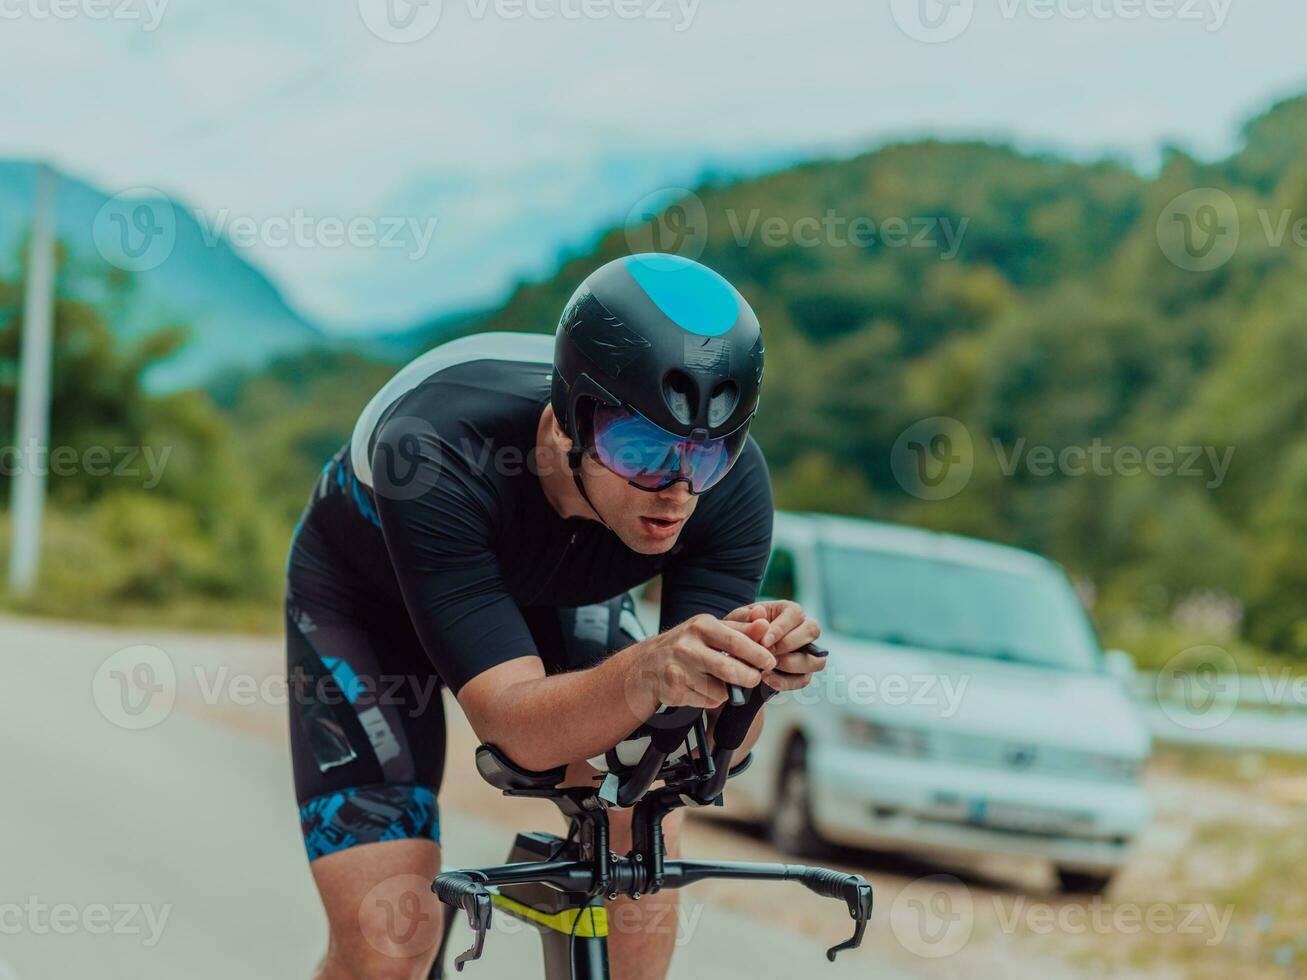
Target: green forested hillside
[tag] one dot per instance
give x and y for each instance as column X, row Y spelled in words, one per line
column 1019, row 326
column 1060, row 323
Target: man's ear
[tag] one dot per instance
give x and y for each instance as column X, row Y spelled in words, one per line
column 556, row 432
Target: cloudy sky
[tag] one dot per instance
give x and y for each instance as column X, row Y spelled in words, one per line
column 477, row 137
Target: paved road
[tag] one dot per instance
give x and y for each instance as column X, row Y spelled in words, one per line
column 173, row 850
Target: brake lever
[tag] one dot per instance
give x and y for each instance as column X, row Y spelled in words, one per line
column 478, row 917
column 466, row 892
column 857, row 895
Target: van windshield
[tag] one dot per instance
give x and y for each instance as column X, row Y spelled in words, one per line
column 917, row 601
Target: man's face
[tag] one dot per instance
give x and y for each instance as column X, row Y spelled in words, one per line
column 648, row 523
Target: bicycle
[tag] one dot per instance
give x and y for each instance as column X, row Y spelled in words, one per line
column 558, row 884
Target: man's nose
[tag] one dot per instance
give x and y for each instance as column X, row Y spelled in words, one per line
column 677, row 493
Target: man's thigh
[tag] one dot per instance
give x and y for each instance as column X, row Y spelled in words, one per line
column 367, row 732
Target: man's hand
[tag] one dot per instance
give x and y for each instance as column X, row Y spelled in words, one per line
column 691, row 664
column 789, row 629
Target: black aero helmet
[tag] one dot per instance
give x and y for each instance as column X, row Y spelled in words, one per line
column 658, row 362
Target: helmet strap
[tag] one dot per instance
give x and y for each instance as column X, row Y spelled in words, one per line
column 574, row 457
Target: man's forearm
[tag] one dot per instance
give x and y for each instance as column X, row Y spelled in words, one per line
column 549, row 721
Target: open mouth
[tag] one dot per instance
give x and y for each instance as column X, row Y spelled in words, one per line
column 661, row 527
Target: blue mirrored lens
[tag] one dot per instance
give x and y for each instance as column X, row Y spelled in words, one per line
column 652, row 458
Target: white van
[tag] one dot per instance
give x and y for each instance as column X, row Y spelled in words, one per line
column 966, row 709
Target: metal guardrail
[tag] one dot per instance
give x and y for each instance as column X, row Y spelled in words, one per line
column 1255, row 712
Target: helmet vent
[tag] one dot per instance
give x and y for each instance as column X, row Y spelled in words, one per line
column 722, row 403
column 681, row 395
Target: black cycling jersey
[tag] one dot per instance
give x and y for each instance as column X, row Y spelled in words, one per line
column 457, row 523
column 430, row 538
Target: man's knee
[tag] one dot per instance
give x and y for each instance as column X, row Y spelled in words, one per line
column 349, row 959
column 384, row 921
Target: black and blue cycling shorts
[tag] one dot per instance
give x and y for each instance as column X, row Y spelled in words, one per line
column 367, row 723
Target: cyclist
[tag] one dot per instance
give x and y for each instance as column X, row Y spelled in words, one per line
column 498, row 498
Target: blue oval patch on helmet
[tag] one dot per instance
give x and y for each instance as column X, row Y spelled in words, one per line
column 690, row 295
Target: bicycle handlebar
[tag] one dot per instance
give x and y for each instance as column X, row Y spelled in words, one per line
column 644, row 870
column 470, row 890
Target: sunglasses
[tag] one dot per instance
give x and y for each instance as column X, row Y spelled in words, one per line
column 649, row 457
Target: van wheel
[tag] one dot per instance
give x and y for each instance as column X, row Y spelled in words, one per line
column 789, row 825
column 1082, row 883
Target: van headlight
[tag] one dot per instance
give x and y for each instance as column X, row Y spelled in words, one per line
column 885, row 738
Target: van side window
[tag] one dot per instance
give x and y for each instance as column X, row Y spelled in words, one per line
column 778, row 582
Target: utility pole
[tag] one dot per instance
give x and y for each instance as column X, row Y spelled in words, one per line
column 32, row 430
